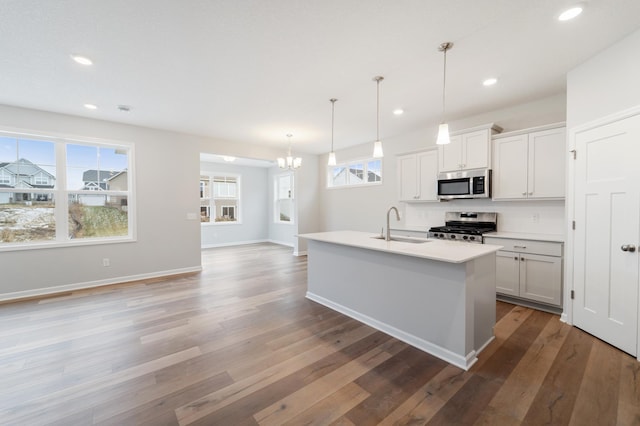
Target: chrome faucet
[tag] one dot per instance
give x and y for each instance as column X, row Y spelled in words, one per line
column 388, row 237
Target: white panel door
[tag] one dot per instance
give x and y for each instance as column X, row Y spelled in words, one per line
column 428, row 172
column 546, row 164
column 508, row 273
column 607, row 214
column 476, row 149
column 450, row 156
column 510, row 167
column 540, row 278
column 408, row 178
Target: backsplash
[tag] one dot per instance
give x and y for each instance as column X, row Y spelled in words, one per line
column 536, row 217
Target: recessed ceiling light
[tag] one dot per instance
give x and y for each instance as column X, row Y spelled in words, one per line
column 570, row 13
column 90, row 106
column 490, row 82
column 82, row 60
column 398, row 111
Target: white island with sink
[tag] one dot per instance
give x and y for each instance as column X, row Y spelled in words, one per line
column 438, row 296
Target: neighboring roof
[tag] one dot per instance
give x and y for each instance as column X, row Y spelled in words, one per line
column 26, row 168
column 98, row 175
column 117, row 174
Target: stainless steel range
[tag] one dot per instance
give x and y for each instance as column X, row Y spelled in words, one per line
column 467, row 227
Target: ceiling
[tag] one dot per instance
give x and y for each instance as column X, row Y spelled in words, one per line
column 255, row 70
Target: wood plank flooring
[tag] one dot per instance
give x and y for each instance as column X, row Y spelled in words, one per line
column 238, row 344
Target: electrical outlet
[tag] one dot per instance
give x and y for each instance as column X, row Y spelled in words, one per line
column 106, row 262
column 535, row 218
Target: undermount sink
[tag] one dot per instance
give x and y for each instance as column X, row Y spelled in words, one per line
column 402, row 239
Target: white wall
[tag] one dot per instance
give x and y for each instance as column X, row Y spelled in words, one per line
column 364, row 208
column 254, row 205
column 167, row 174
column 606, row 83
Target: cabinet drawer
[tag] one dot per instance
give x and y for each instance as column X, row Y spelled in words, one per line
column 547, row 248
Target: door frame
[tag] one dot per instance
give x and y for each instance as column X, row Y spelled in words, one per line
column 567, row 311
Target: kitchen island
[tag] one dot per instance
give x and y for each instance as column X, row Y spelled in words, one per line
column 438, row 296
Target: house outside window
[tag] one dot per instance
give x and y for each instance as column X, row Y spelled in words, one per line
column 355, row 173
column 219, row 198
column 284, row 198
column 37, row 211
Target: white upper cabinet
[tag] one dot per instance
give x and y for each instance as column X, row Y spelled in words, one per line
column 530, row 164
column 469, row 149
column 418, row 176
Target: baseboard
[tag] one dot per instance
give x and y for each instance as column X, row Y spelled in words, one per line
column 234, row 243
column 47, row 291
column 282, row 243
column 464, row 362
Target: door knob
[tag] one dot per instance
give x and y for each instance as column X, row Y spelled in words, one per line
column 628, row 247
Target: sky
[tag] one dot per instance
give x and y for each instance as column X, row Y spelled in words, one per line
column 79, row 158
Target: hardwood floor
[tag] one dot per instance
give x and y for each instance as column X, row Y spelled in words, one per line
column 239, row 344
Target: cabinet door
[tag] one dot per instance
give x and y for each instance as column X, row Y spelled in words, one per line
column 507, row 273
column 450, row 156
column 476, row 150
column 428, row 176
column 407, row 178
column 541, row 278
column 547, row 164
column 510, row 163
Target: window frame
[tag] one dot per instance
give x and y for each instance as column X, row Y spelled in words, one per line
column 365, row 170
column 61, row 193
column 212, row 206
column 277, row 200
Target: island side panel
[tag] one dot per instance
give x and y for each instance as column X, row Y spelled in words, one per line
column 422, row 299
column 481, row 300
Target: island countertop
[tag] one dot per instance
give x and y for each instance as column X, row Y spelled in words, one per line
column 444, row 251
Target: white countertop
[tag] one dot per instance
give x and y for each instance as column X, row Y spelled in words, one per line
column 444, row 251
column 557, row 238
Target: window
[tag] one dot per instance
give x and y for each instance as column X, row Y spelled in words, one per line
column 283, row 190
column 354, row 173
column 36, row 207
column 219, row 198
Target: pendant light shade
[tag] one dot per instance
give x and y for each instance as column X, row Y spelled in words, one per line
column 289, row 162
column 332, row 155
column 443, row 134
column 443, row 129
column 377, row 145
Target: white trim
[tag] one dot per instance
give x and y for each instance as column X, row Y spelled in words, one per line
column 567, row 311
column 91, row 284
column 438, row 351
column 300, row 253
column 234, row 243
column 282, row 243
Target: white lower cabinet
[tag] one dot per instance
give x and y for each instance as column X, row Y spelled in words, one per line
column 529, row 270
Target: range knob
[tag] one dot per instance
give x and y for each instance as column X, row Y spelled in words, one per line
column 465, row 238
column 452, row 236
column 472, row 238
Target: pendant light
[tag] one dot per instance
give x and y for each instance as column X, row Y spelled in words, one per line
column 332, row 155
column 377, row 145
column 443, row 129
column 289, row 162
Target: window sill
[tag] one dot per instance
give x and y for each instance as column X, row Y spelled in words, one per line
column 220, row 223
column 4, row 247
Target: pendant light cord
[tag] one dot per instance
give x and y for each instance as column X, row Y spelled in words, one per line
column 444, row 81
column 378, row 108
column 333, row 106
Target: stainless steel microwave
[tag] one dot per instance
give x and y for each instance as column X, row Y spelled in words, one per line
column 464, row 184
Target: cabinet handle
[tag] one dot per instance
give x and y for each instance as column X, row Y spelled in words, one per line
column 515, row 258
column 524, row 194
column 520, row 247
column 531, row 193
column 522, row 259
